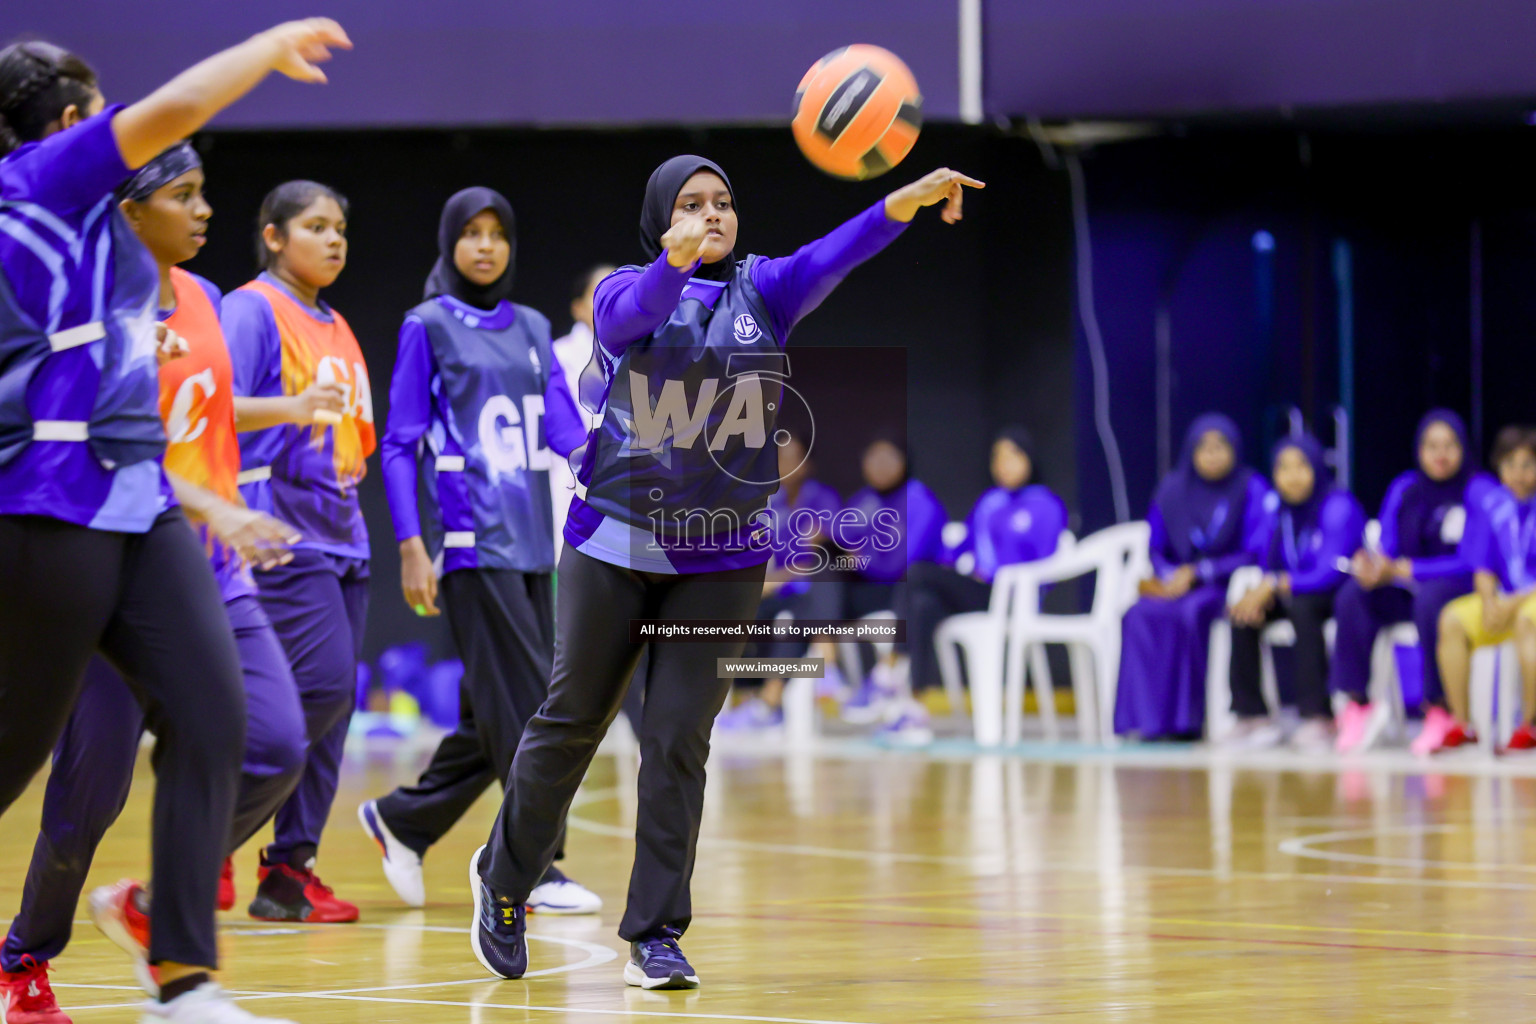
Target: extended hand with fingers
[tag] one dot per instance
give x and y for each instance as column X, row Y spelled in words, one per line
column 301, row 46
column 942, row 185
column 259, row 539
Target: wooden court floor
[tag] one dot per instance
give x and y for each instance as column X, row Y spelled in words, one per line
column 869, row 886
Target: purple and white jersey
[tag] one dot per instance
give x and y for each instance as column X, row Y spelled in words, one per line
column 476, row 406
column 677, row 474
column 80, row 430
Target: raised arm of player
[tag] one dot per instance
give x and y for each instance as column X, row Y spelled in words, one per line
column 188, row 101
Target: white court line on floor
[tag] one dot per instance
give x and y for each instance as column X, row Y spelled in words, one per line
column 1302, row 846
column 674, row 1015
column 1074, row 867
column 475, row 1005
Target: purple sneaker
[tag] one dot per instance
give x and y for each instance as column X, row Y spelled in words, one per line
column 909, row 727
column 496, row 933
column 870, row 702
column 657, row 962
column 750, row 715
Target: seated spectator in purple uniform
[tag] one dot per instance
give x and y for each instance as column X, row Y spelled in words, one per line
column 802, row 510
column 1500, row 546
column 1015, row 521
column 1309, row 526
column 1203, row 521
column 1417, row 569
column 892, row 523
column 895, row 521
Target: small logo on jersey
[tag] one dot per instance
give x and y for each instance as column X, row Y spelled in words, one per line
column 747, row 331
column 1022, row 521
column 533, row 357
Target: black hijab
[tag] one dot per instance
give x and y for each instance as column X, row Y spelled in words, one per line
column 656, row 215
column 445, row 278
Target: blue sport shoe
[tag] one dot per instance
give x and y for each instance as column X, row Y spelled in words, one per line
column 656, row 962
column 496, row 933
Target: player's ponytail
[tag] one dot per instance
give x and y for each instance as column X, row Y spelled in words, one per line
column 38, row 82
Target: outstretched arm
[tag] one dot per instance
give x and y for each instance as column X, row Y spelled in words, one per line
column 794, row 285
column 188, row 101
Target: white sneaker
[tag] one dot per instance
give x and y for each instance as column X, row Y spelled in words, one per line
column 1266, row 735
column 557, row 894
column 402, row 866
column 206, row 1004
column 1314, row 737
column 906, row 725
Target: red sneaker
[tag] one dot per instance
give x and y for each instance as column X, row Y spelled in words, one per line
column 1523, row 739
column 121, row 912
column 27, row 998
column 227, row 884
column 287, row 893
column 1441, row 732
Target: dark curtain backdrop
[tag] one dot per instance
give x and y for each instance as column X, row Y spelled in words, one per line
column 1438, row 224
column 982, row 308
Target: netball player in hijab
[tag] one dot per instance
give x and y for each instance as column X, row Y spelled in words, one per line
column 94, row 552
column 476, row 405
column 668, row 526
column 93, row 762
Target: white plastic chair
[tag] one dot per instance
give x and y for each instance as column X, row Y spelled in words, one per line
column 1494, row 695
column 1218, row 674
column 980, row 637
column 1117, row 558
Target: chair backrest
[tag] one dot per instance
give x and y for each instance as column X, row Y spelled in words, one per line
column 1111, row 556
column 1122, row 551
column 1004, row 585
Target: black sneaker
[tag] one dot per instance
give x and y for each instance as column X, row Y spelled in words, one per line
column 496, row 933
column 657, row 962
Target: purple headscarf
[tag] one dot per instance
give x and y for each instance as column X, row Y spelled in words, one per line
column 1204, row 517
column 1425, row 500
column 1297, row 522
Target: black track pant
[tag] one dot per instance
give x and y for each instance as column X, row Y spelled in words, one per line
column 1308, row 613
column 931, row 594
column 149, row 603
column 594, row 660
column 503, row 623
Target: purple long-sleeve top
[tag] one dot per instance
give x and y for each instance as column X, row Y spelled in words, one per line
column 1310, row 552
column 1501, row 538
column 1433, row 546
column 1012, row 527
column 1214, row 566
column 892, row 529
column 417, row 401
column 630, row 304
